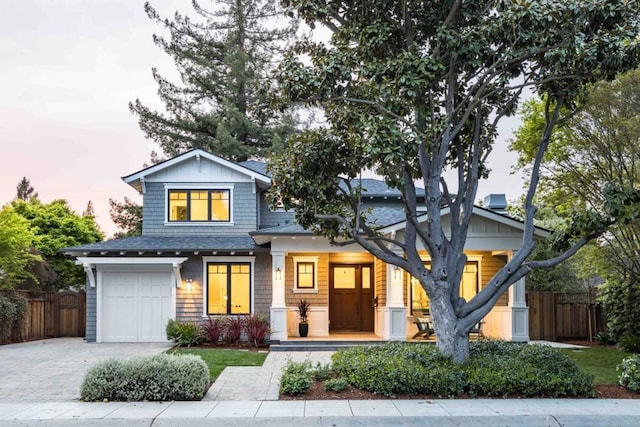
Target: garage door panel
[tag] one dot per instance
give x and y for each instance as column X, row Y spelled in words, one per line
column 135, row 306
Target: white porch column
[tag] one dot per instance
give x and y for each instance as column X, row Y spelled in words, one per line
column 278, row 306
column 395, row 325
column 519, row 311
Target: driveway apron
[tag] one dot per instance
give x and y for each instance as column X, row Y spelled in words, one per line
column 52, row 370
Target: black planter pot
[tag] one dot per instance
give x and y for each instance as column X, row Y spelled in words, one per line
column 303, row 329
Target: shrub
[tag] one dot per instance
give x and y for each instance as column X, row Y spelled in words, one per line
column 630, row 373
column 257, row 327
column 7, row 315
column 322, row 372
column 295, row 377
column 21, row 315
column 496, row 368
column 157, row 378
column 184, row 334
column 336, row 384
column 233, row 329
column 212, row 329
column 630, row 343
column 604, row 338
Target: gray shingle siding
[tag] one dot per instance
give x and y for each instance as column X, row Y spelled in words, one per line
column 153, row 212
column 90, row 333
column 189, row 305
column 270, row 219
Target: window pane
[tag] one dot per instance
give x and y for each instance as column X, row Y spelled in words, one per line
column 344, row 278
column 420, row 301
column 305, row 275
column 199, row 205
column 217, row 289
column 469, row 286
column 366, row 277
column 240, row 289
column 177, row 205
column 220, row 205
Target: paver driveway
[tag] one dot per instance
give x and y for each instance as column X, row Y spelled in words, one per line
column 52, row 370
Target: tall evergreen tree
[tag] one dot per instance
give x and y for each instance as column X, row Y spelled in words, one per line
column 24, row 190
column 127, row 215
column 223, row 59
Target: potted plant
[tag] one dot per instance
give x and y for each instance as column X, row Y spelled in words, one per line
column 303, row 315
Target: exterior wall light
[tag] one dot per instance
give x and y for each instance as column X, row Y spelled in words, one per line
column 189, row 285
column 397, row 274
column 278, row 273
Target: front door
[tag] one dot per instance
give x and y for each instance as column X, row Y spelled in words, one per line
column 351, row 297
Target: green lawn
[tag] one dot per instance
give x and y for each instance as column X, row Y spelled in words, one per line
column 599, row 361
column 218, row 359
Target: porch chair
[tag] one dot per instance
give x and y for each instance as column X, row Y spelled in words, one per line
column 477, row 330
column 424, row 326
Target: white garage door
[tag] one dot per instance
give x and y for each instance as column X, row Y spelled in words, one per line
column 135, row 306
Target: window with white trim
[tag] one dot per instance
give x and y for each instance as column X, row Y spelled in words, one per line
column 198, row 205
column 305, row 274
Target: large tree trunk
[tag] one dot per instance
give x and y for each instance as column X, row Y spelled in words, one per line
column 450, row 342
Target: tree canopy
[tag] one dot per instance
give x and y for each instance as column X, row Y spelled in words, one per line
column 223, row 56
column 24, row 190
column 54, row 226
column 127, row 215
column 594, row 148
column 410, row 89
column 16, row 240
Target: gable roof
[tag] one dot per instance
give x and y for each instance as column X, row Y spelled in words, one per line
column 135, row 178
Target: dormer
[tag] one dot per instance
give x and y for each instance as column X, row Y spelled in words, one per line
column 198, row 193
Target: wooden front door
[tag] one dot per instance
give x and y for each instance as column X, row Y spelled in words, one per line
column 351, row 297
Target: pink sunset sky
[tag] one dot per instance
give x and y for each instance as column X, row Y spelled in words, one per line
column 68, row 70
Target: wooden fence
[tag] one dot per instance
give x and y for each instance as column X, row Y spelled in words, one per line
column 554, row 316
column 54, row 314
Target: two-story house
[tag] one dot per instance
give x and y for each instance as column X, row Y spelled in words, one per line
column 210, row 245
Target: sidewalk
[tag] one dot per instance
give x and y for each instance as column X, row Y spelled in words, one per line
column 475, row 412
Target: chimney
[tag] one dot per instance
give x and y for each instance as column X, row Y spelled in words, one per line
column 496, row 203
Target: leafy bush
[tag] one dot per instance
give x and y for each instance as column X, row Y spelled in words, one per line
column 212, row 329
column 322, row 372
column 604, row 338
column 496, row 368
column 630, row 343
column 233, row 329
column 14, row 313
column 158, row 378
column 630, row 373
column 336, row 384
column 296, row 377
column 257, row 327
column 184, row 334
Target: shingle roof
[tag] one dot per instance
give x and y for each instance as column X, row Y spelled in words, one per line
column 256, row 166
column 171, row 243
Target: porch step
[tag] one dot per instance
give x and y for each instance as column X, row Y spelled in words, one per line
column 320, row 345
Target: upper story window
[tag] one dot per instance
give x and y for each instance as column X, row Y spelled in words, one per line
column 199, row 205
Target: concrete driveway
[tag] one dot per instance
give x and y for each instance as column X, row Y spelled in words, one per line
column 52, row 370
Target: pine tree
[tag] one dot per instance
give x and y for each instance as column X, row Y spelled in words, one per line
column 127, row 215
column 89, row 211
column 224, row 59
column 24, row 190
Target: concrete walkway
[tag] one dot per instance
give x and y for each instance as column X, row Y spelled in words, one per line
column 474, row 412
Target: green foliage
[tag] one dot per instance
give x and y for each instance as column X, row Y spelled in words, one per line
column 410, row 89
column 55, row 226
column 620, row 297
column 184, row 334
column 158, row 378
column 16, row 239
column 604, row 338
column 322, row 372
column 24, row 190
column 256, row 327
column 336, row 384
column 296, row 377
column 224, row 58
column 127, row 215
column 630, row 343
column 14, row 313
column 303, row 310
column 630, row 373
column 495, row 369
column 218, row 359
